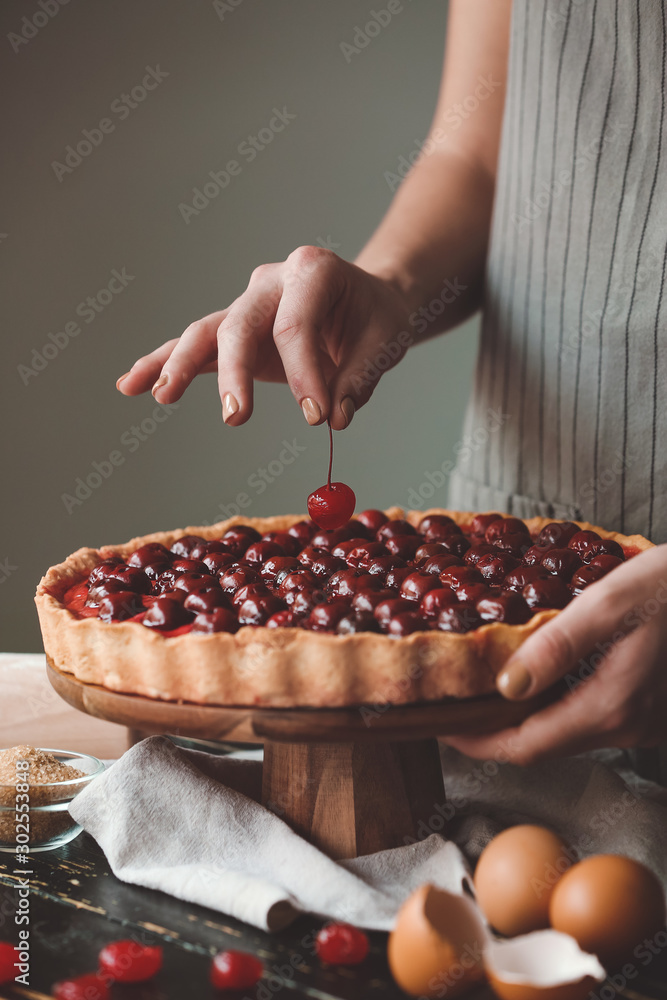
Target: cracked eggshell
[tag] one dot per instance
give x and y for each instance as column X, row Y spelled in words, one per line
column 544, row 965
column 437, row 943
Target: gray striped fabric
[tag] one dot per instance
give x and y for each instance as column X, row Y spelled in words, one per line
column 573, row 355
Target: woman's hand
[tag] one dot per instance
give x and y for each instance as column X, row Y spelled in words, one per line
column 324, row 326
column 610, row 646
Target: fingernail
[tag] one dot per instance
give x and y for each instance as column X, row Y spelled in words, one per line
column 118, row 381
column 348, row 408
column 229, row 406
column 311, row 410
column 163, row 379
column 513, row 681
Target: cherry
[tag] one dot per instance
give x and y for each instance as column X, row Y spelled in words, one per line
column 583, row 541
column 363, row 554
column 372, row 520
column 505, row 526
column 129, row 962
column 149, row 555
column 298, row 580
column 166, row 613
column 120, row 606
column 386, row 609
column 331, row 505
column 519, row 577
column 287, row 542
column 89, row 987
column 258, row 609
column 439, row 563
column 329, row 539
column 390, row 529
column 507, row 607
column 341, row 944
column 382, row 565
column 557, row 533
column 454, row 576
column 534, row 555
column 215, row 546
column 191, row 582
column 436, row 600
column 606, row 562
column 360, row 621
column 132, row 577
column 341, row 548
column 436, row 520
column 584, row 577
column 477, row 552
column 218, row 620
column 283, row 619
column 250, row 590
column 561, row 562
column 346, row 582
column 309, row 555
column 277, row 565
column 9, row 959
column 471, row 592
column 302, row 532
column 302, row 602
column 240, row 537
column 216, row 562
column 516, row 544
column 237, row 576
column 551, row 592
column 325, row 617
column 235, row 970
column 607, row 547
column 104, row 569
column 459, row 618
column 456, row 545
column 324, row 565
column 494, row 569
column 481, row 522
column 416, row 585
column 368, row 600
column 429, row 549
column 395, row 577
column 257, row 553
column 403, row 546
column 183, row 546
column 406, row 623
column 101, row 590
column 205, row 600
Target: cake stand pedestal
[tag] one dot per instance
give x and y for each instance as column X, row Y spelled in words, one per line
column 352, row 781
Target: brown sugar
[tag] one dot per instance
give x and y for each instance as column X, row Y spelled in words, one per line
column 42, row 776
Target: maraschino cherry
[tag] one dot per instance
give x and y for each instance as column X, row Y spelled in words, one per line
column 332, row 505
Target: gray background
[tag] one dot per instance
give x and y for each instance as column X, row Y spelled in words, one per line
column 320, row 180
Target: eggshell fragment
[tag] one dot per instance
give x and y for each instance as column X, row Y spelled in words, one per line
column 545, row 965
column 609, row 904
column 515, row 876
column 437, row 944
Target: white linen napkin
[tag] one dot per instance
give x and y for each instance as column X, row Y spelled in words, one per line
column 188, row 823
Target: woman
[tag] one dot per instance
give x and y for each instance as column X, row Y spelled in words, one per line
column 539, row 196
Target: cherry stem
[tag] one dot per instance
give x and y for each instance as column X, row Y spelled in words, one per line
column 330, row 455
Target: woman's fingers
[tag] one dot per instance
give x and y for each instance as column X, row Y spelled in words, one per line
column 592, row 624
column 143, row 373
column 195, row 350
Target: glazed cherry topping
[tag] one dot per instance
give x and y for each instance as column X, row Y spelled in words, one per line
column 104, row 570
column 250, row 590
column 236, row 576
column 258, row 609
column 508, row 607
column 325, row 617
column 439, row 563
column 282, row 619
column 454, row 576
column 550, row 592
column 386, row 609
column 561, row 562
column 583, row 541
column 395, row 577
column 607, row 547
column 287, row 542
column 585, row 576
column 347, row 582
column 101, row 590
column 382, row 565
column 403, row 546
column 209, row 548
column 240, row 537
column 279, row 566
column 472, row 591
column 119, row 607
column 362, row 555
column 519, row 577
column 218, row 620
column 360, row 621
column 416, row 585
column 132, row 578
column 324, row 565
column 368, row 600
column 480, row 522
column 606, row 562
column 436, row 520
column 235, row 970
column 191, row 582
column 390, row 529
column 149, row 555
column 456, row 545
column 557, row 534
column 183, row 546
column 505, row 526
column 167, row 614
column 436, row 600
column 341, row 548
column 298, row 580
column 405, row 623
column 516, row 544
column 129, row 962
column 89, row 987
column 333, row 504
column 302, row 602
column 347, row 532
column 205, row 600
column 534, row 555
column 460, row 617
column 494, row 569
column 257, row 553
column 302, row 532
column 341, row 944
column 372, row 520
column 477, row 552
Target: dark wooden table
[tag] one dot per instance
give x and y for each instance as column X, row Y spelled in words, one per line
column 77, row 905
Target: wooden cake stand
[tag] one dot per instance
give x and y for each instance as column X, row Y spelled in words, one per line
column 352, row 781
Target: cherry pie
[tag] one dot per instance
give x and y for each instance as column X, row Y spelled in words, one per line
column 392, row 607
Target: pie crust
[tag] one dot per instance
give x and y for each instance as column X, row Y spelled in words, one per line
column 278, row 667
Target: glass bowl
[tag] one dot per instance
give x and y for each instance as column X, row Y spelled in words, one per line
column 49, row 824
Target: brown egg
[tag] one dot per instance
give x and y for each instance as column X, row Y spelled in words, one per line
column 515, row 876
column 544, row 965
column 609, row 904
column 437, row 943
